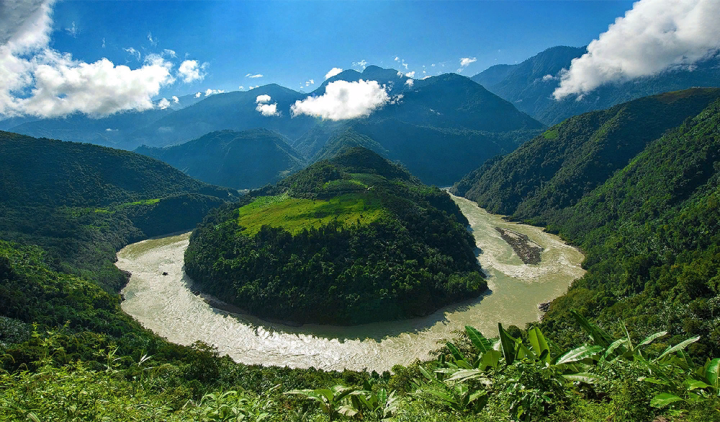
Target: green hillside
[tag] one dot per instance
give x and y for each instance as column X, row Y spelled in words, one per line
column 82, row 202
column 649, row 228
column 568, row 161
column 242, row 160
column 350, row 240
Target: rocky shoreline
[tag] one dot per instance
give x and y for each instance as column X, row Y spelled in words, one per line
column 528, row 251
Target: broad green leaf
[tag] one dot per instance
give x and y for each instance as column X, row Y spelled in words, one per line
column 465, row 374
column 455, row 351
column 582, row 377
column 611, row 349
column 538, row 342
column 678, row 347
column 652, row 337
column 695, row 384
column 478, row 340
column 599, row 336
column 508, row 345
column 664, row 399
column 426, row 373
column 489, row 359
column 712, row 373
column 652, row 380
column 579, row 354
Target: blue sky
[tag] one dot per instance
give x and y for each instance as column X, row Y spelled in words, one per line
column 292, row 42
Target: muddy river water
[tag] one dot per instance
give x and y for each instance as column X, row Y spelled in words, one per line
column 166, row 304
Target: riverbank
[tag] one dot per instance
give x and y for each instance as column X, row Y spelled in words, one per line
column 168, row 306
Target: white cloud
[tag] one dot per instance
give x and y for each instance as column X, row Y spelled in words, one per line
column 397, row 58
column 190, row 71
column 410, row 74
column 209, row 92
column 268, row 109
column 241, row 87
column 168, row 52
column 263, row 99
column 334, row 71
column 111, row 130
column 251, row 76
column 197, row 95
column 548, row 78
column 133, row 52
column 344, row 100
column 361, row 63
column 310, row 82
column 176, row 100
column 466, row 61
column 656, row 35
column 37, row 80
column 163, row 104
column 400, row 74
column 72, row 30
column 152, row 40
column 409, row 82
column 103, row 43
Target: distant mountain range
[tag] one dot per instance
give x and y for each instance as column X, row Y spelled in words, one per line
column 240, row 160
column 530, row 84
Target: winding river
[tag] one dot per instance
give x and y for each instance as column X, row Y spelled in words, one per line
column 166, row 305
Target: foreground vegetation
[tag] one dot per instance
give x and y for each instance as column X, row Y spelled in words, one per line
column 351, row 240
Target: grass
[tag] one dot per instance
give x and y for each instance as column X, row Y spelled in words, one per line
column 296, row 214
column 551, row 134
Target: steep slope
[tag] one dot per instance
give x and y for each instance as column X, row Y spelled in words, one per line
column 350, row 240
column 82, row 202
column 345, row 140
column 113, row 131
column 233, row 111
column 240, row 160
column 559, row 167
column 652, row 238
column 440, row 129
column 530, row 84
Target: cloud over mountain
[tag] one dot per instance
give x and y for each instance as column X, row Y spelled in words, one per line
column 190, row 71
column 334, row 71
column 656, row 35
column 344, row 100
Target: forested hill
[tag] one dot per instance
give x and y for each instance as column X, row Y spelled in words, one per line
column 82, row 202
column 568, row 161
column 651, row 235
column 350, row 240
column 242, row 160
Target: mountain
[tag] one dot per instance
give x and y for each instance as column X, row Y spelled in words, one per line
column 642, row 206
column 113, row 131
column 348, row 139
column 440, row 129
column 564, row 164
column 530, row 84
column 229, row 111
column 240, row 160
column 350, row 240
column 393, row 80
column 83, row 202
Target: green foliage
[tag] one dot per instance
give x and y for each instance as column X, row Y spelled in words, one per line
column 378, row 246
column 242, row 160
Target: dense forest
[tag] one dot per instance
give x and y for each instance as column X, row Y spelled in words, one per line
column 242, row 160
column 81, row 203
column 350, row 240
column 68, row 352
column 649, row 227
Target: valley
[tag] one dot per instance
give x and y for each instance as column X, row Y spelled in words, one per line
column 167, row 305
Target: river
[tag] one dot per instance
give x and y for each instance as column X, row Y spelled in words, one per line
column 166, row 305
